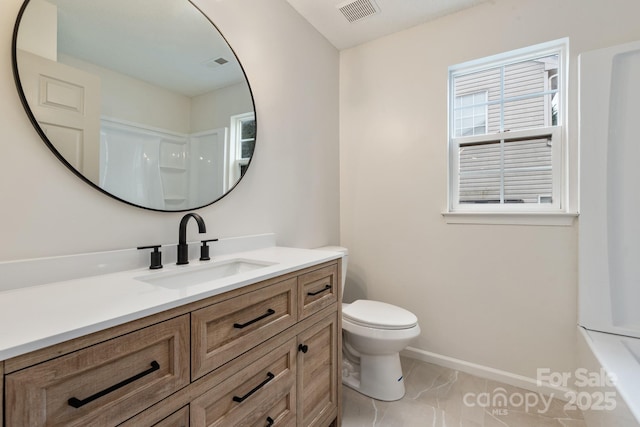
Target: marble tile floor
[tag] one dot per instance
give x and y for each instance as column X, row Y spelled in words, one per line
column 437, row 396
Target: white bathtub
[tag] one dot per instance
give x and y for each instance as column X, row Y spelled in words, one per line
column 609, row 244
column 616, row 405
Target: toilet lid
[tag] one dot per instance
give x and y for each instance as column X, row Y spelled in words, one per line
column 379, row 315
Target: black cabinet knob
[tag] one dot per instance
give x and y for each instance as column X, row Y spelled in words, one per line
column 303, row 348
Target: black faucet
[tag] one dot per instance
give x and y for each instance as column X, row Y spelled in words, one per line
column 183, row 248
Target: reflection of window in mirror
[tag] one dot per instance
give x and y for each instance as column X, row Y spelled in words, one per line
column 242, row 142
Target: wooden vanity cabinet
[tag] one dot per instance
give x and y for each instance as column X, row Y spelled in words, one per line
column 266, row 354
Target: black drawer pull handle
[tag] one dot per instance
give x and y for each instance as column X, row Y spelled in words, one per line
column 257, row 319
column 77, row 403
column 270, row 421
column 303, row 348
column 270, row 376
column 326, row 288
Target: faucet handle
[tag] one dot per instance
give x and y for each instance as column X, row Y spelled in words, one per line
column 156, row 256
column 204, row 249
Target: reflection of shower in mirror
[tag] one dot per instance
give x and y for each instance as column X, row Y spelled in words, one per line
column 163, row 170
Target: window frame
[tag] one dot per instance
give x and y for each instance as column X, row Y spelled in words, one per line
column 235, row 160
column 557, row 133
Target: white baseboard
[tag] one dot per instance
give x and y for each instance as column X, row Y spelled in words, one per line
column 482, row 371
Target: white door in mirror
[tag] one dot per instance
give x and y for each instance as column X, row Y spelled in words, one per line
column 66, row 102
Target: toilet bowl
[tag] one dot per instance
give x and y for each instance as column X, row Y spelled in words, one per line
column 373, row 335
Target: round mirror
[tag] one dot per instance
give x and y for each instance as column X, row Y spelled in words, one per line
column 143, row 99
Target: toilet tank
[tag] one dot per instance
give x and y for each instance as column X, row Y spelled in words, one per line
column 345, row 256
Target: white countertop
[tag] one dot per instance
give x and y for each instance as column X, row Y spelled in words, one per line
column 38, row 316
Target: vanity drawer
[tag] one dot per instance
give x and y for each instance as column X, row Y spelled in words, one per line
column 223, row 331
column 262, row 391
column 317, row 290
column 180, row 418
column 103, row 384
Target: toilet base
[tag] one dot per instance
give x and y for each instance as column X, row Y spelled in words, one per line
column 379, row 377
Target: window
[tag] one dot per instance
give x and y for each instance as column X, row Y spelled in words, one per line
column 471, row 114
column 242, row 144
column 505, row 132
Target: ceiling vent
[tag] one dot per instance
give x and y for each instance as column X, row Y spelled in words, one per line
column 214, row 62
column 358, row 9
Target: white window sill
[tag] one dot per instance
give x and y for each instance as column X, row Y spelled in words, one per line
column 511, row 218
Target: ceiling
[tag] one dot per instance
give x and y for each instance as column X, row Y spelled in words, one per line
column 387, row 16
column 162, row 41
column 168, row 43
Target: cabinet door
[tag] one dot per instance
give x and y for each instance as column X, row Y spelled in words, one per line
column 263, row 393
column 317, row 373
column 103, row 384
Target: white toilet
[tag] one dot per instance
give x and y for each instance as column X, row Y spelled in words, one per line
column 373, row 334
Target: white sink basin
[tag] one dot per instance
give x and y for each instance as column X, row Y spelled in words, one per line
column 194, row 275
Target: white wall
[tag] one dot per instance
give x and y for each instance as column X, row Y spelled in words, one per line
column 213, row 110
column 291, row 187
column 41, row 37
column 137, row 101
column 499, row 296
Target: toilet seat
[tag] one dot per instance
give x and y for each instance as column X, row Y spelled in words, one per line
column 379, row 315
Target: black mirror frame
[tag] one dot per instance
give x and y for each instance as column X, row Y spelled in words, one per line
column 36, row 125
